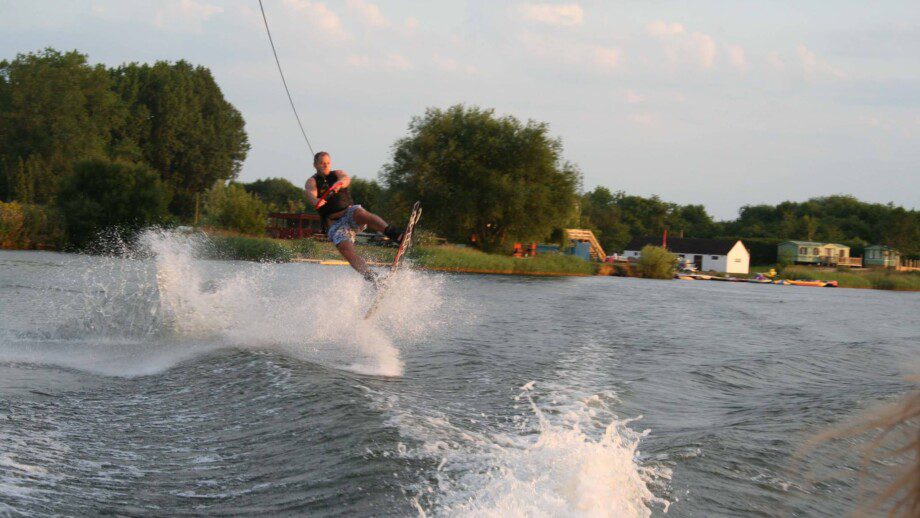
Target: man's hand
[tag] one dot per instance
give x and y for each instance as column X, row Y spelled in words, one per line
column 336, row 187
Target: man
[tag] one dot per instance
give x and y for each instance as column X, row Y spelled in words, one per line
column 327, row 192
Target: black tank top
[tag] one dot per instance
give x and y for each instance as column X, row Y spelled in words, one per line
column 335, row 203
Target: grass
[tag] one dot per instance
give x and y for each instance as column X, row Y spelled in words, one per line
column 250, row 248
column 870, row 278
column 460, row 259
column 225, row 245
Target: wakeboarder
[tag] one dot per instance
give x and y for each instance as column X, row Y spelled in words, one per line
column 327, row 192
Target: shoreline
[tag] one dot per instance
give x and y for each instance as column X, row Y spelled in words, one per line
column 424, row 255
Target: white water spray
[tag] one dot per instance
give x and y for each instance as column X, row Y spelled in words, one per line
column 145, row 311
column 314, row 313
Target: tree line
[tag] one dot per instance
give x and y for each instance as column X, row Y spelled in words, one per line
column 142, row 144
column 72, row 135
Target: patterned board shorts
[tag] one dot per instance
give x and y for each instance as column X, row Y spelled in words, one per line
column 344, row 228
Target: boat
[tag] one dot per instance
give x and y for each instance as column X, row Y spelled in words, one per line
column 817, row 284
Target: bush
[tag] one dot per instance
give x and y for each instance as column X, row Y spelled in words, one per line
column 656, row 263
column 12, row 225
column 44, row 227
column 909, row 281
column 232, row 208
column 102, row 194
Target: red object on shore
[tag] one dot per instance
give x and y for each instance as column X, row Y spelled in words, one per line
column 293, row 225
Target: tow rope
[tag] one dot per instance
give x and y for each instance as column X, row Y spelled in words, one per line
column 283, row 81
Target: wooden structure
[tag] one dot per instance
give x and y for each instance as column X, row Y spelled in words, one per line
column 811, row 252
column 585, row 236
column 287, row 225
column 908, row 265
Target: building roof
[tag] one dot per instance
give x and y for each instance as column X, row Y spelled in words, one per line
column 883, row 247
column 685, row 245
column 813, row 243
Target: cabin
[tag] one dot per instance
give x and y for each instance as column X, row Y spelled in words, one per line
column 881, row 256
column 717, row 255
column 296, row 225
column 815, row 253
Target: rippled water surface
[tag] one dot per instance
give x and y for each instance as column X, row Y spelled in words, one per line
column 166, row 385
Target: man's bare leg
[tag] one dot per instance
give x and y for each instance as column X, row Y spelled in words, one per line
column 350, row 253
column 373, row 221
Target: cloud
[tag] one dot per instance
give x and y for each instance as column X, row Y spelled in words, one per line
column 660, row 28
column 369, row 13
column 605, row 57
column 183, row 15
column 390, row 61
column 643, row 119
column 634, row 98
column 681, row 46
column 736, row 57
column 561, row 15
column 446, row 64
column 320, row 17
column 814, row 68
column 775, row 61
column 566, row 51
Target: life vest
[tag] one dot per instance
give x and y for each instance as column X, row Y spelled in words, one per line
column 335, row 203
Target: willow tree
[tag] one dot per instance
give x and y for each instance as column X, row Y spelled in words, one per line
column 482, row 178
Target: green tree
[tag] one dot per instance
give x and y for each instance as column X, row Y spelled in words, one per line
column 55, row 109
column 232, row 208
column 279, row 194
column 182, row 126
column 600, row 213
column 695, row 221
column 368, row 193
column 102, row 194
column 478, row 174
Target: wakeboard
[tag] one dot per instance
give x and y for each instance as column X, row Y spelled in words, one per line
column 404, row 246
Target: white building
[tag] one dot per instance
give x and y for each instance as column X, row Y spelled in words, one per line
column 715, row 255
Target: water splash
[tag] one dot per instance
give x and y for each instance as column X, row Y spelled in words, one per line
column 159, row 304
column 574, row 458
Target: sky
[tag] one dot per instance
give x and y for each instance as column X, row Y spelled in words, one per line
column 723, row 104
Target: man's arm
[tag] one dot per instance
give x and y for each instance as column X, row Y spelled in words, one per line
column 343, row 178
column 310, row 189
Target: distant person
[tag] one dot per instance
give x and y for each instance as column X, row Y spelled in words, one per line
column 327, row 192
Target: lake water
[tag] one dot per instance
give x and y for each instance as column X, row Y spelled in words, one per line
column 165, row 385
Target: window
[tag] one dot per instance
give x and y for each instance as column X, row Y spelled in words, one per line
column 803, row 250
column 714, row 257
column 737, row 260
column 843, row 253
column 816, row 252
